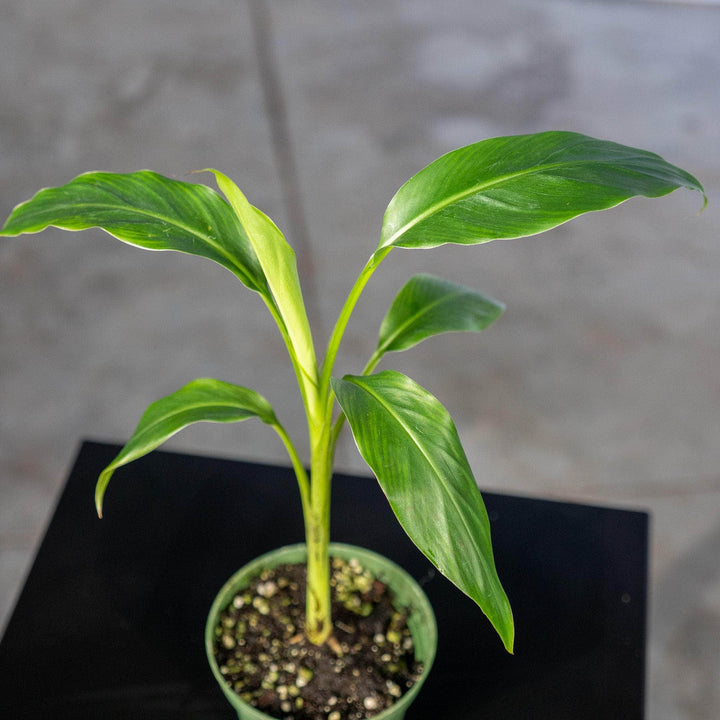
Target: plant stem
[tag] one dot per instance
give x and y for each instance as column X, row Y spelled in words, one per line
column 318, row 621
column 322, row 435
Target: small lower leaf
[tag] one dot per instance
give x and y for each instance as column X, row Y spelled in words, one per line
column 202, row 400
column 428, row 306
column 409, row 440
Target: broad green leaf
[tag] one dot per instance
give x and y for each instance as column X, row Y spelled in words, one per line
column 279, row 264
column 149, row 211
column 409, row 440
column 428, row 306
column 516, row 186
column 202, row 400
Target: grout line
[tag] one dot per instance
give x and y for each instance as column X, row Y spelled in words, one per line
column 261, row 27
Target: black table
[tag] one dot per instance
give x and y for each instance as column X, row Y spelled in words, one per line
column 110, row 621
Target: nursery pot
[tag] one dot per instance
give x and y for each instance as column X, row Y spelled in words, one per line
column 407, row 594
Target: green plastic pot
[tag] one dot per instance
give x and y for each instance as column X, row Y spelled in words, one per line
column 421, row 619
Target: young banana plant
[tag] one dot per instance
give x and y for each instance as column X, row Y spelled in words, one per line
column 507, row 187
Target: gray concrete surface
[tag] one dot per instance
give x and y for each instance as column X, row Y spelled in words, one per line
column 602, row 381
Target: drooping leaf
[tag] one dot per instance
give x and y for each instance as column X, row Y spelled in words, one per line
column 409, row 440
column 427, row 306
column 279, row 264
column 520, row 185
column 147, row 210
column 202, row 400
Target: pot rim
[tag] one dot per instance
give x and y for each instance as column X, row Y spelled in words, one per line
column 421, row 618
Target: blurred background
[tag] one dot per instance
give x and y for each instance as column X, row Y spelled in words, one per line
column 600, row 384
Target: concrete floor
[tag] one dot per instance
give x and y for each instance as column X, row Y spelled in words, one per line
column 602, row 381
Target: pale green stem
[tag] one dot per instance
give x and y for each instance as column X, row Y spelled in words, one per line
column 318, row 622
column 315, row 495
column 322, row 445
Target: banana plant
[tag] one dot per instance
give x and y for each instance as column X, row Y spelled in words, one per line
column 506, row 187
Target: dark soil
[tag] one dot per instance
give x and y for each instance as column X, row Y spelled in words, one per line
column 366, row 665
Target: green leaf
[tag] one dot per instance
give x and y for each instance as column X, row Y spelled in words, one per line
column 516, row 186
column 149, row 211
column 409, row 440
column 202, row 400
column 428, row 306
column 279, row 264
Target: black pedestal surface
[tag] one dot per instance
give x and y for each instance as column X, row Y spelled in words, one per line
column 110, row 622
